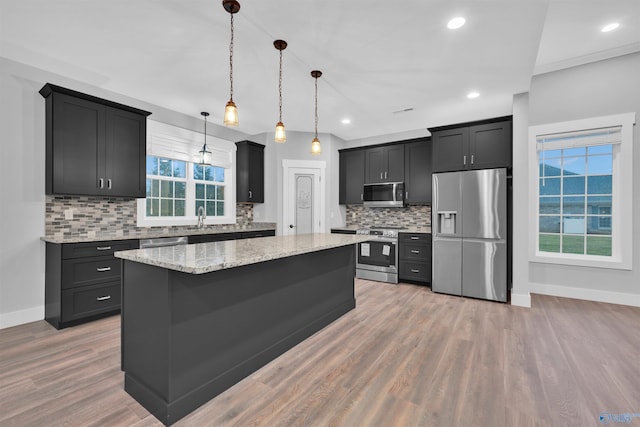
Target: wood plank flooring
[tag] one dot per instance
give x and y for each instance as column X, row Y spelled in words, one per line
column 404, row 357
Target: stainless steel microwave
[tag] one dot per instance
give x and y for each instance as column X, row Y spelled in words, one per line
column 384, row 195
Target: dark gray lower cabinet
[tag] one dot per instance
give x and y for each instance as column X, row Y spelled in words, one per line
column 219, row 237
column 82, row 281
column 415, row 257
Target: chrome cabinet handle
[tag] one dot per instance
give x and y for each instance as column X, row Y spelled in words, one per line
column 104, row 298
column 101, row 182
column 406, row 195
column 381, row 175
column 385, row 174
column 109, row 183
column 413, row 251
column 415, row 238
column 414, row 270
column 464, row 160
column 472, row 159
column 103, row 248
column 101, row 269
column 250, row 194
column 361, row 196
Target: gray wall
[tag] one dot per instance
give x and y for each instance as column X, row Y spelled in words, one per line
column 22, row 121
column 597, row 89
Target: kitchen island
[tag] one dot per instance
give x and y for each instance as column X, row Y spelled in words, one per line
column 196, row 319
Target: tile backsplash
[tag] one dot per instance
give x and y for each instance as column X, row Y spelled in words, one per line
column 100, row 216
column 412, row 216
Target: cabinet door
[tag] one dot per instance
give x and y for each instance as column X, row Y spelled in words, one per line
column 78, row 132
column 490, row 145
column 256, row 174
column 450, row 150
column 417, row 173
column 126, row 134
column 375, row 165
column 395, row 163
column 351, row 177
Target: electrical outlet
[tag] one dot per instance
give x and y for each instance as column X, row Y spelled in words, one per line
column 68, row 214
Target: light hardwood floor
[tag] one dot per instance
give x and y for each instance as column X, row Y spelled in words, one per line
column 404, row 357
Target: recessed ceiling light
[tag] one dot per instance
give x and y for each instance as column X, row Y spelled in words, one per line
column 456, row 23
column 610, row 27
column 473, row 95
column 346, row 121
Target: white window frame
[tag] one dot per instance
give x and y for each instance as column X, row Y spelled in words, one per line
column 172, row 142
column 622, row 199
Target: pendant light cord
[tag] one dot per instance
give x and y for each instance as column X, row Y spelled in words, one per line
column 316, row 107
column 280, row 88
column 231, row 60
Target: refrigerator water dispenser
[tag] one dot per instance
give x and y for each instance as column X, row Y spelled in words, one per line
column 447, row 222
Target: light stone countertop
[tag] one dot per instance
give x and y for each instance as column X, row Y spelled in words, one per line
column 411, row 229
column 207, row 257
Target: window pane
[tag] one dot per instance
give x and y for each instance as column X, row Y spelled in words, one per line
column 573, row 185
column 573, row 225
column 549, row 224
column 550, row 154
column 600, row 224
column 220, row 192
column 165, row 167
column 218, row 174
column 208, row 173
column 179, row 169
column 580, row 151
column 549, row 205
column 572, row 244
column 155, row 188
column 166, row 188
column 599, row 205
column 166, row 207
column 181, row 188
column 198, row 171
column 199, row 203
column 152, row 165
column 152, row 207
column 549, row 186
column 211, row 208
column 549, row 242
column 601, row 165
column 551, row 167
column 211, row 192
column 199, row 191
column 599, row 246
column 179, row 208
column 220, row 208
column 574, row 165
column 599, row 184
column 573, row 205
column 600, row 149
column 148, row 188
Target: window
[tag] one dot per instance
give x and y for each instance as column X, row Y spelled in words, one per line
column 177, row 187
column 582, row 189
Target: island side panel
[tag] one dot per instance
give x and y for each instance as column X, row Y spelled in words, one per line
column 227, row 324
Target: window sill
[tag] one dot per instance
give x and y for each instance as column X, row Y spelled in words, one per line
column 615, row 263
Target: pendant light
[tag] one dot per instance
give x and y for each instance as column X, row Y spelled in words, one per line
column 280, row 135
column 231, row 111
column 204, row 155
column 315, row 143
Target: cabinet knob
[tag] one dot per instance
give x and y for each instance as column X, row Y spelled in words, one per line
column 290, row 225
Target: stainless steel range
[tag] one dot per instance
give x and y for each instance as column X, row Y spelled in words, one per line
column 377, row 259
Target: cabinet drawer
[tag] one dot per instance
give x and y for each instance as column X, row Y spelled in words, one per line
column 417, row 271
column 89, row 271
column 415, row 252
column 424, row 238
column 81, row 250
column 89, row 300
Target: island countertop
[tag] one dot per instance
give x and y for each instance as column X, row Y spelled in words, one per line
column 207, row 257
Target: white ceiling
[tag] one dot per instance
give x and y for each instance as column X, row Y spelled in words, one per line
column 376, row 57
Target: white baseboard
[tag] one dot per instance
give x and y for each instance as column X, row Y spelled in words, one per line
column 521, row 300
column 586, row 294
column 20, row 317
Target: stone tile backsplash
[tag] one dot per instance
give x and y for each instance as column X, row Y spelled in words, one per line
column 96, row 216
column 412, row 216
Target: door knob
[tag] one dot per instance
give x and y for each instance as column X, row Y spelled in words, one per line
column 290, row 225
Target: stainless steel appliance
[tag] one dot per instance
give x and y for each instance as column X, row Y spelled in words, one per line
column 163, row 241
column 377, row 259
column 384, row 195
column 470, row 233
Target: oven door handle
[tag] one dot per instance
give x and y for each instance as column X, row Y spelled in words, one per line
column 383, row 239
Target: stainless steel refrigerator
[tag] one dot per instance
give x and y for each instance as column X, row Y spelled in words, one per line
column 470, row 233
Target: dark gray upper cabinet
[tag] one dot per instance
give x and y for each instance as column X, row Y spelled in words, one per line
column 249, row 172
column 477, row 145
column 384, row 164
column 417, row 172
column 351, row 177
column 94, row 147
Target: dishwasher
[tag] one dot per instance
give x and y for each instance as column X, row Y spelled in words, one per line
column 163, row 241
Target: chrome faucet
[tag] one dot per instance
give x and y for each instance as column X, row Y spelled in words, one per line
column 201, row 216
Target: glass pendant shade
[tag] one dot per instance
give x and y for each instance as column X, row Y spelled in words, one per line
column 231, row 114
column 315, row 146
column 204, row 156
column 280, row 135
